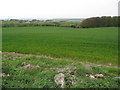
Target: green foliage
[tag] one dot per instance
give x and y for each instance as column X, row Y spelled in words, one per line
column 101, row 22
column 43, row 77
column 28, row 24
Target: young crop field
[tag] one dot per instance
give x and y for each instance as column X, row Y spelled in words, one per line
column 93, row 44
column 98, row 45
column 33, row 56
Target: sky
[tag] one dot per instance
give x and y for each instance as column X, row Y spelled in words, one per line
column 38, row 9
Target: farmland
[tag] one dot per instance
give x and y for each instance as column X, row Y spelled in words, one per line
column 74, row 52
column 98, row 45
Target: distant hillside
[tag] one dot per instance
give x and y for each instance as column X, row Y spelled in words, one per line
column 69, row 19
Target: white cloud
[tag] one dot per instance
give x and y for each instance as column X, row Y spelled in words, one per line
column 57, row 8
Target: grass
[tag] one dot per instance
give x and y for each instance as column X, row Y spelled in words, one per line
column 43, row 77
column 98, row 45
column 81, row 51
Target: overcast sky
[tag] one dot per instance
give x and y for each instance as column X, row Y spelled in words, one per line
column 57, row 8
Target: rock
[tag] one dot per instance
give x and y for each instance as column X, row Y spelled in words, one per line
column 8, row 74
column 95, row 75
column 110, row 64
column 23, row 64
column 31, row 67
column 99, row 76
column 3, row 74
column 90, row 75
column 28, row 66
column 59, row 79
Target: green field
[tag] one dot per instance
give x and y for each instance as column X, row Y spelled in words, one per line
column 98, row 45
column 74, row 52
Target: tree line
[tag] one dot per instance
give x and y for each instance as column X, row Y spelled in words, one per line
column 104, row 21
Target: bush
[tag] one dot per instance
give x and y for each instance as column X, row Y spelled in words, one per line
column 101, row 22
